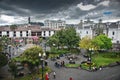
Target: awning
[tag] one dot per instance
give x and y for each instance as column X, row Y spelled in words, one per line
column 18, row 40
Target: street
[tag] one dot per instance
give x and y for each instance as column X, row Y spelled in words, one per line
column 109, row 73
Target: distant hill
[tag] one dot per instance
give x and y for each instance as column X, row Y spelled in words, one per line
column 37, row 23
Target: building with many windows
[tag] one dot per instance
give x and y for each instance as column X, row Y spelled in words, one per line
column 89, row 28
column 26, row 31
column 54, row 24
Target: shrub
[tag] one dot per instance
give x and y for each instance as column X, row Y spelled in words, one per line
column 86, row 65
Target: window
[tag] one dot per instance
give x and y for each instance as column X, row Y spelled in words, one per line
column 86, row 32
column 8, row 33
column 44, row 34
column 0, row 33
column 26, row 31
column 14, row 33
column 113, row 33
column 49, row 33
column 26, row 34
column 21, row 33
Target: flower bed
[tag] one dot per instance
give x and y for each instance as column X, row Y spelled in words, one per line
column 88, row 66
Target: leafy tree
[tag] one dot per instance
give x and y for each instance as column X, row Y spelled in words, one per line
column 52, row 41
column 40, row 40
column 1, row 46
column 85, row 42
column 3, row 60
column 65, row 37
column 102, row 42
column 4, row 41
column 72, row 39
column 98, row 42
column 13, row 68
column 31, row 56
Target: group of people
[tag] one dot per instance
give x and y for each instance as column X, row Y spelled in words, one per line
column 47, row 76
column 95, row 68
column 60, row 64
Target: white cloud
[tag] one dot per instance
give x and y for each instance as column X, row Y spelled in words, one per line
column 86, row 7
column 91, row 6
column 6, row 18
column 112, row 20
column 104, row 3
column 12, row 19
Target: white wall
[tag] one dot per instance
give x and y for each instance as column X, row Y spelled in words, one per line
column 11, row 34
column 24, row 34
column 85, row 32
column 4, row 33
column 17, row 33
column 113, row 37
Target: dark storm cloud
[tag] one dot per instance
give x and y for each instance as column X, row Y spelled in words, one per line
column 42, row 6
column 60, row 9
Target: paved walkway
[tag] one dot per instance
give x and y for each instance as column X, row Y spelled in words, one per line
column 6, row 75
column 110, row 73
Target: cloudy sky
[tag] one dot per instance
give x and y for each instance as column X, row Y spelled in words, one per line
column 17, row 11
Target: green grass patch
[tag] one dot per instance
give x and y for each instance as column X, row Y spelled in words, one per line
column 53, row 55
column 72, row 65
column 104, row 59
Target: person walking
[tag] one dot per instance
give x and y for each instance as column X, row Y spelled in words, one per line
column 54, row 74
column 46, row 76
column 71, row 78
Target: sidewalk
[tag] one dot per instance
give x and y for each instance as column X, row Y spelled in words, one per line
column 5, row 74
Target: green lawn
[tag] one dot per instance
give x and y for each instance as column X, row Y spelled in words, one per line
column 104, row 59
column 72, row 65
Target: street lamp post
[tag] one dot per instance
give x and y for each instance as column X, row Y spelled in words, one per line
column 42, row 60
column 90, row 57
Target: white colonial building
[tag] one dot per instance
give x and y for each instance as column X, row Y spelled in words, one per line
column 89, row 28
column 54, row 24
column 26, row 31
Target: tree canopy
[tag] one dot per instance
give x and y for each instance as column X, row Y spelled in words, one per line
column 85, row 42
column 31, row 55
column 3, row 60
column 102, row 42
column 98, row 42
column 4, row 41
column 64, row 37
